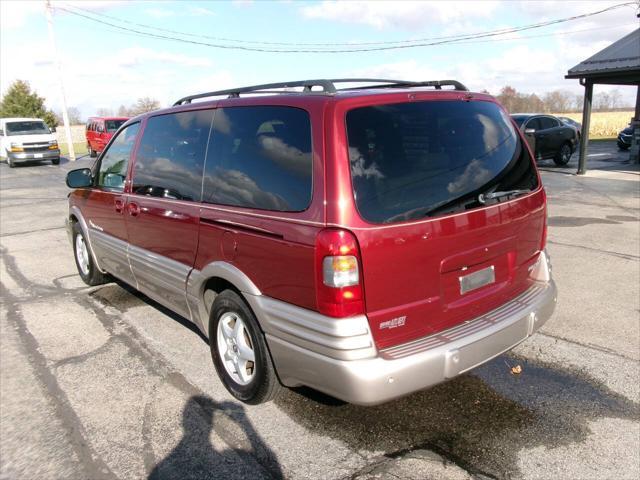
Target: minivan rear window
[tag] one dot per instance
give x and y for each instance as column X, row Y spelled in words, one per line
column 422, row 159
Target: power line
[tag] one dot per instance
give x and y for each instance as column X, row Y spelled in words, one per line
column 356, row 44
column 386, row 45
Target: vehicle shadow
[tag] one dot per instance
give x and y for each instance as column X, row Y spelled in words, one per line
column 195, row 457
column 480, row 421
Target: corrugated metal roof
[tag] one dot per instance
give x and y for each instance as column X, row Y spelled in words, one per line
column 623, row 55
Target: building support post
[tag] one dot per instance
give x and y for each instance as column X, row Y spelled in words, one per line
column 634, row 151
column 586, row 117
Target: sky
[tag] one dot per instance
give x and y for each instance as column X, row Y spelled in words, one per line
column 105, row 67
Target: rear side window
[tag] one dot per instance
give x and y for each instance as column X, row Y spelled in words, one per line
column 113, row 125
column 260, row 157
column 421, row 159
column 170, row 159
column 548, row 122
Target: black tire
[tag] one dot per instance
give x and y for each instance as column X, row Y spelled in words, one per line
column 623, row 148
column 264, row 384
column 92, row 152
column 55, row 161
column 10, row 162
column 91, row 275
column 563, row 155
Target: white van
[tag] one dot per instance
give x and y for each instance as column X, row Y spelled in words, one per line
column 27, row 139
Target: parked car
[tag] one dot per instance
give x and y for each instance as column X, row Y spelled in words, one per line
column 572, row 123
column 548, row 136
column 99, row 131
column 27, row 139
column 624, row 138
column 366, row 242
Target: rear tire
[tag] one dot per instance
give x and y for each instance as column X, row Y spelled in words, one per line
column 563, row 155
column 10, row 162
column 55, row 161
column 92, row 152
column 84, row 260
column 239, row 351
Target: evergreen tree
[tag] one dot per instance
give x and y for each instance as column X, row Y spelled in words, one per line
column 20, row 101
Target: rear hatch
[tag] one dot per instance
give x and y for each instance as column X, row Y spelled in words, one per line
column 452, row 209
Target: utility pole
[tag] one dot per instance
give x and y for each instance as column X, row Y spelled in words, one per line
column 65, row 116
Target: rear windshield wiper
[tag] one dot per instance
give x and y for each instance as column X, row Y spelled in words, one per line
column 483, row 197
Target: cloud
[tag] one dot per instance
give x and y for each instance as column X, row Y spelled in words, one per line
column 474, row 176
column 286, row 156
column 159, row 12
column 135, row 56
column 404, row 15
column 200, row 12
column 233, row 187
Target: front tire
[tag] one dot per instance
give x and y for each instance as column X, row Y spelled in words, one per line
column 92, row 152
column 239, row 351
column 84, row 260
column 563, row 155
column 55, row 161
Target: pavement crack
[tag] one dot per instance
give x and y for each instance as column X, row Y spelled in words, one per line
column 76, row 359
column 92, row 463
column 626, row 256
column 27, row 232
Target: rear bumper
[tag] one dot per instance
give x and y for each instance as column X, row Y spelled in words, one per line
column 400, row 370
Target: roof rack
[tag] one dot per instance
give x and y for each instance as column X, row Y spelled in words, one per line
column 328, row 87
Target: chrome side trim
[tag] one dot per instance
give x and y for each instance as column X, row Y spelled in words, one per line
column 341, row 338
column 404, row 369
column 197, row 280
column 76, row 212
column 161, row 278
column 112, row 254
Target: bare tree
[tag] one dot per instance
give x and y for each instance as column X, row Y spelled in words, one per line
column 602, row 101
column 123, row 111
column 557, row 101
column 615, row 97
column 143, row 105
column 104, row 112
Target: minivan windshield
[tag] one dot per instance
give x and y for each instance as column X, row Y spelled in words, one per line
column 113, row 125
column 26, row 127
column 421, row 159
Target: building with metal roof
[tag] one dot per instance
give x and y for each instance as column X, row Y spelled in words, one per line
column 617, row 64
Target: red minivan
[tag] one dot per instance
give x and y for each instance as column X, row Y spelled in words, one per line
column 367, row 242
column 99, row 131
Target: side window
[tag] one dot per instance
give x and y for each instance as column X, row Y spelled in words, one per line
column 260, row 157
column 114, row 161
column 533, row 123
column 170, row 160
column 100, row 127
column 548, row 122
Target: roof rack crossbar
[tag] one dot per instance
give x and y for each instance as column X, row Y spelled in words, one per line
column 328, row 87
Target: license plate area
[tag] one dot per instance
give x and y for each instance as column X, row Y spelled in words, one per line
column 38, row 155
column 475, row 280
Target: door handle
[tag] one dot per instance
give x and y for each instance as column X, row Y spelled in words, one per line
column 119, row 205
column 133, row 209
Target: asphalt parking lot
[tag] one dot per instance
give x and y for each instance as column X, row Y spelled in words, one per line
column 104, row 383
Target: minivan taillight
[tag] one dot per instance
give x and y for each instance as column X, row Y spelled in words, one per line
column 545, row 227
column 338, row 274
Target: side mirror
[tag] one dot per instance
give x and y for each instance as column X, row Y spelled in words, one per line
column 52, row 129
column 79, row 178
column 529, row 131
column 1, row 132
